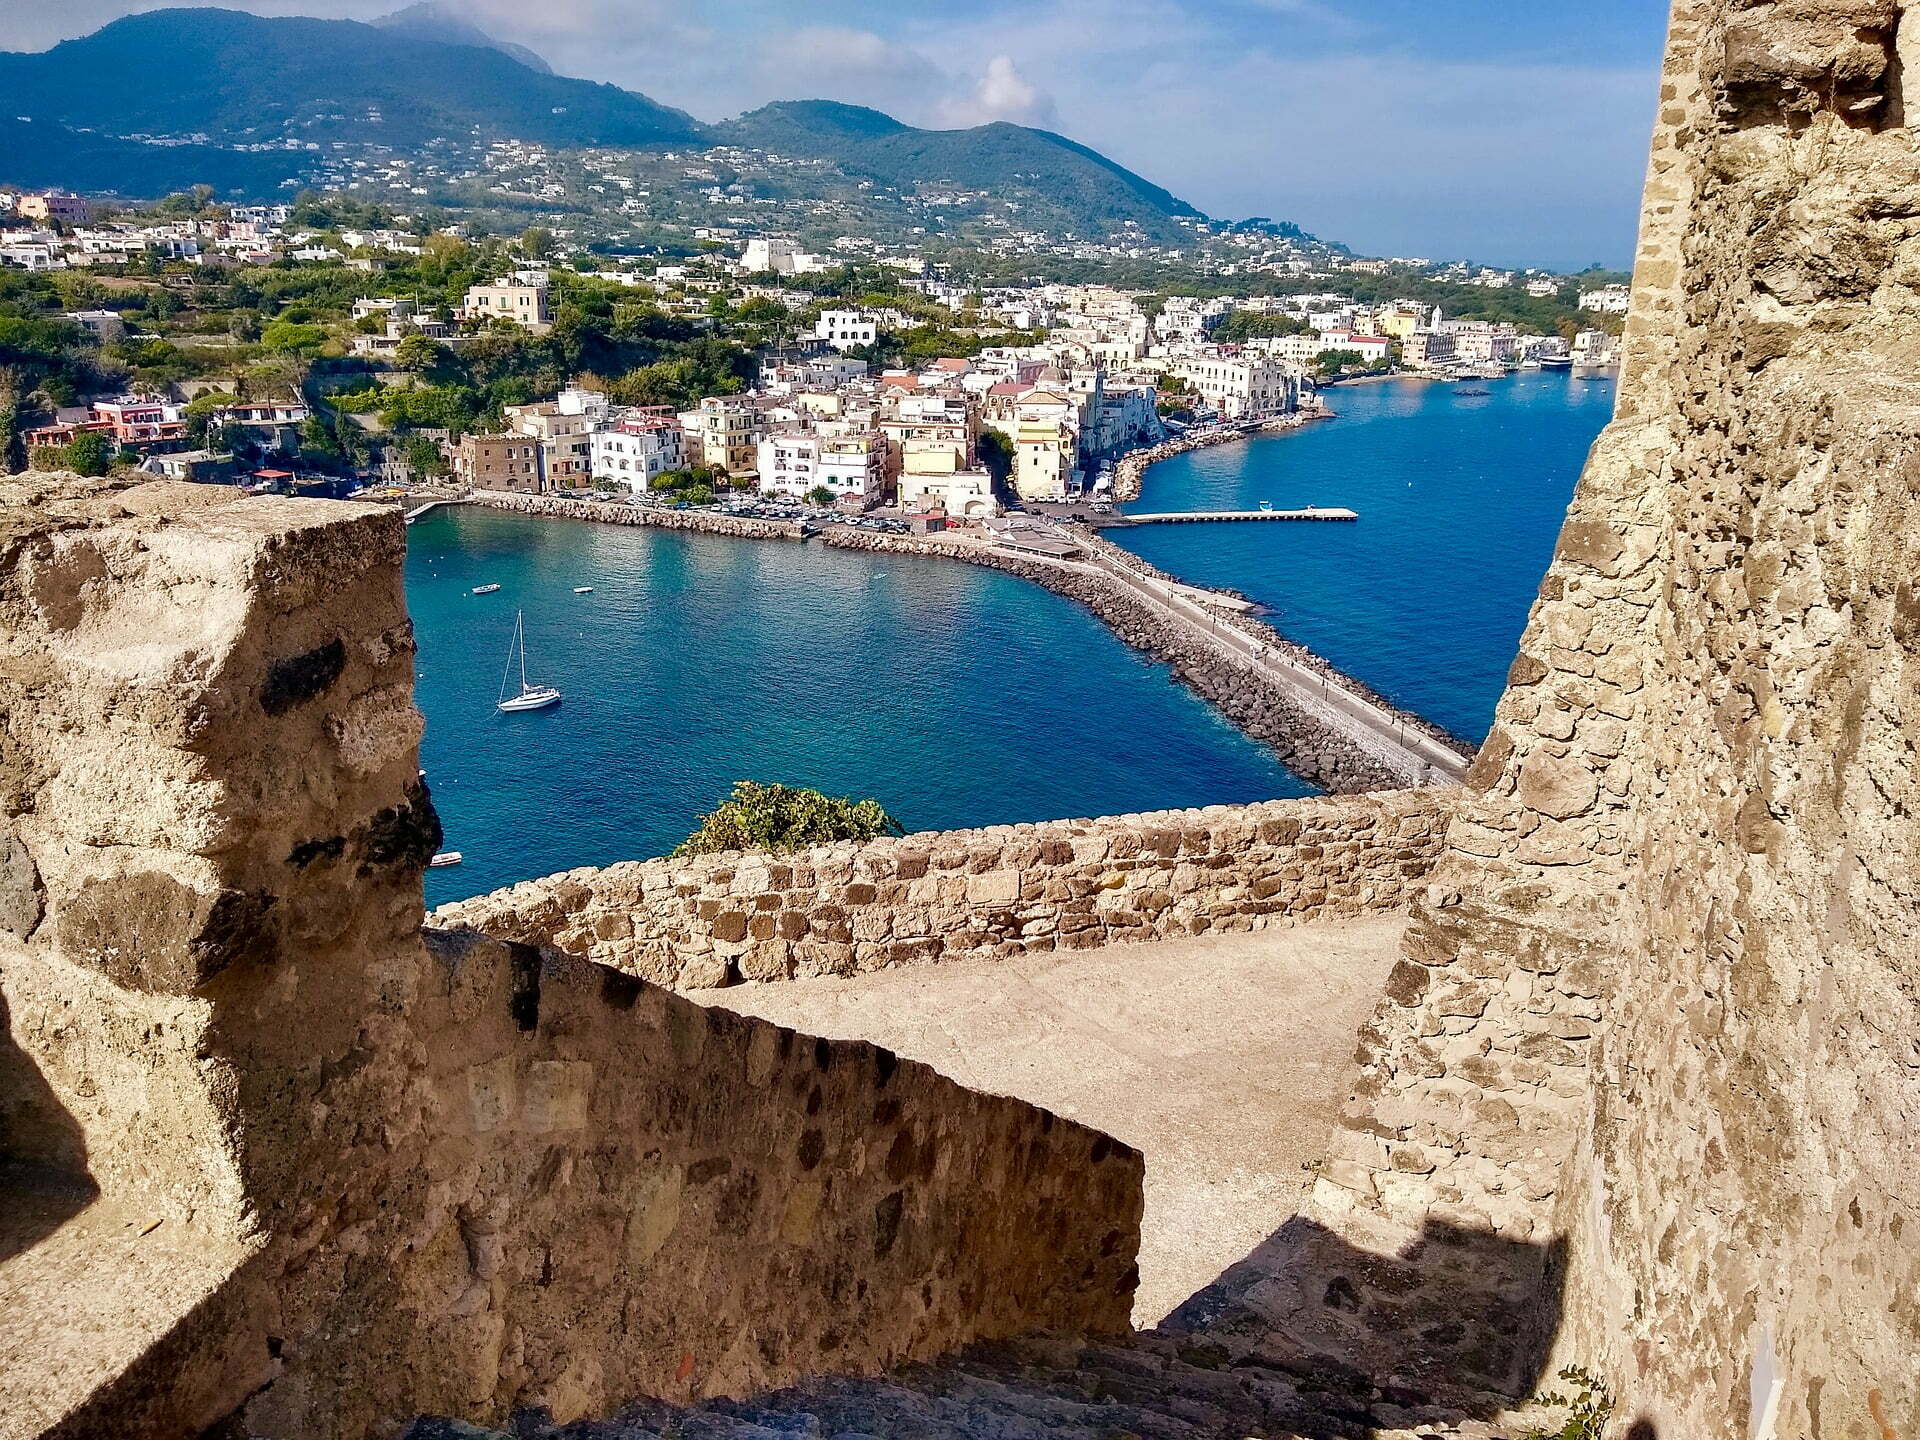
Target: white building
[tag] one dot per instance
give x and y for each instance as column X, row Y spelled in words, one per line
column 1305, row 349
column 1608, row 299
column 638, row 445
column 962, row 494
column 847, row 329
column 769, row 253
column 1248, row 386
column 794, row 463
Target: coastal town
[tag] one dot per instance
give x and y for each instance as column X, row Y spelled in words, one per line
column 840, row 389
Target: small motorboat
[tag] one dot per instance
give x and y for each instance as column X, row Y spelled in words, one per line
column 531, row 697
column 485, row 589
column 583, row 589
column 447, row 857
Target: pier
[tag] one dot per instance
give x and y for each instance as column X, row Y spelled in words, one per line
column 1307, row 512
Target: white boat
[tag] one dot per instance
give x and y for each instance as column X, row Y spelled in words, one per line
column 531, row 697
column 447, row 857
column 583, row 589
column 485, row 589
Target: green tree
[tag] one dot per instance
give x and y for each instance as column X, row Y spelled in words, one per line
column 536, row 243
column 90, row 453
column 294, row 337
column 418, row 355
column 1330, row 363
column 996, row 455
column 423, row 456
column 820, row 495
column 783, row 817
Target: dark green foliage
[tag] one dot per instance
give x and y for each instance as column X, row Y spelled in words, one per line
column 1059, row 181
column 783, row 817
column 42, row 152
column 1244, row 325
column 90, row 453
column 1588, row 1404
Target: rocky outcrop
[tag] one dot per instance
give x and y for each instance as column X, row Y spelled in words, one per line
column 709, row 522
column 1010, row 889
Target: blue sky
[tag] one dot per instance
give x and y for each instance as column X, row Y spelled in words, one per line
column 1499, row 130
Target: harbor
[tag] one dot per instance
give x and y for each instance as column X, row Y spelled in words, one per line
column 961, row 696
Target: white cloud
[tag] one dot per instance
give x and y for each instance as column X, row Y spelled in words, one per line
column 1002, row 94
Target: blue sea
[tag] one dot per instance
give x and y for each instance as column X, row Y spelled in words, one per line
column 958, row 696
column 1460, row 500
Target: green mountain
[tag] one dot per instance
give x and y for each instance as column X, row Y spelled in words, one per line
column 254, row 106
column 235, row 78
column 1052, row 174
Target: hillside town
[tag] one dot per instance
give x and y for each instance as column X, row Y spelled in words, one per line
column 1008, row 395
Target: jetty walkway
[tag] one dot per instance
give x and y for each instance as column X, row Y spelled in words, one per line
column 1402, row 745
column 1305, row 512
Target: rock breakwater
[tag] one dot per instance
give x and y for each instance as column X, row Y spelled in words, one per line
column 560, row 507
column 1257, row 703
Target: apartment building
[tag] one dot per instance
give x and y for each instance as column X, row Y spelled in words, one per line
column 54, row 205
column 725, row 432
column 522, row 302
column 637, row 445
column 847, row 329
column 1428, row 349
column 499, row 462
column 794, row 463
column 564, row 428
column 1247, row 386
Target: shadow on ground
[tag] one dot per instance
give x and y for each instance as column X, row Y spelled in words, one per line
column 1307, row 1337
column 43, row 1156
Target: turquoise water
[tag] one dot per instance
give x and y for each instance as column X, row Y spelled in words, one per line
column 956, row 696
column 959, row 696
column 1460, row 499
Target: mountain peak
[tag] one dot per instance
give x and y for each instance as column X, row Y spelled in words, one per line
column 446, row 23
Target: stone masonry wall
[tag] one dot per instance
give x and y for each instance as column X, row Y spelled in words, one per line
column 1009, row 889
column 1652, row 1037
column 710, row 522
column 270, row 1157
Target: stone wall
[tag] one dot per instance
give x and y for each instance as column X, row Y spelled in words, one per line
column 711, row 522
column 1657, row 1012
column 1010, row 889
column 268, row 1154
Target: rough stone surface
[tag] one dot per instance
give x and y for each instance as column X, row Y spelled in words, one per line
column 1141, row 1042
column 269, row 1155
column 1006, row 890
column 1666, row 1034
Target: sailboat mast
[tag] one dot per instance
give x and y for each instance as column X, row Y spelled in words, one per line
column 520, row 629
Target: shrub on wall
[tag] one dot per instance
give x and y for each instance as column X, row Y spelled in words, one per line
column 785, row 817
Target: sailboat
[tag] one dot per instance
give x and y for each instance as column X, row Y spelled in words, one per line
column 531, row 697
